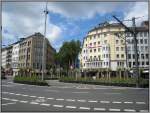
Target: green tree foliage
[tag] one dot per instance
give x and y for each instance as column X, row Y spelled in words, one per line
column 68, row 54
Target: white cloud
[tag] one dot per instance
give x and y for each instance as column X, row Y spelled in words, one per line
column 140, row 9
column 24, row 19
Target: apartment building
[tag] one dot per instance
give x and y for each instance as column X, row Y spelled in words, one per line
column 15, row 58
column 28, row 53
column 103, row 49
column 143, row 47
column 31, row 53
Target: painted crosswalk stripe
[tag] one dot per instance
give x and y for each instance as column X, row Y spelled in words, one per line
column 114, row 109
column 140, row 102
column 43, row 104
column 71, row 107
column 34, row 103
column 12, row 93
column 6, row 98
column 41, row 97
column 116, row 102
column 57, row 105
column 128, row 102
column 99, row 109
column 85, row 108
column 70, row 100
column 104, row 101
column 17, row 94
column 14, row 100
column 59, row 99
column 25, row 95
column 132, row 110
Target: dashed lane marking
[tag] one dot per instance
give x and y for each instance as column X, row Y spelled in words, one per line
column 57, row 105
column 71, row 100
column 22, row 101
column 14, row 100
column 99, row 109
column 140, row 102
column 71, row 107
column 17, row 94
column 43, row 104
column 59, row 99
column 34, row 103
column 116, row 102
column 87, row 108
column 25, row 95
column 50, row 98
column 104, row 101
column 92, row 101
column 6, row 98
column 8, row 103
column 132, row 110
column 114, row 109
column 81, row 100
column 41, row 97
column 33, row 96
column 128, row 102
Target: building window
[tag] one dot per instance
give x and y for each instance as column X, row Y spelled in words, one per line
column 129, row 56
column 142, row 63
column 145, row 41
column 147, row 63
column 90, row 50
column 117, row 41
column 147, row 56
column 118, row 64
column 86, row 45
column 98, row 42
column 122, row 56
column 141, row 34
column 94, row 50
column 122, row 48
column 117, row 48
column 90, row 44
column 91, row 38
column 99, row 49
column 133, row 56
column 94, row 43
column 145, row 34
column 99, row 57
column 133, row 63
column 105, row 35
column 121, row 41
column 142, row 56
column 106, row 55
column 117, row 55
column 105, row 41
column 141, row 41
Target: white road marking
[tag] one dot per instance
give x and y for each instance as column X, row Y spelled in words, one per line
column 34, row 103
column 85, row 108
column 17, row 94
column 12, row 93
column 128, row 102
column 14, row 100
column 43, row 104
column 143, row 110
column 8, row 104
column 41, row 97
column 114, row 109
column 32, row 96
column 52, row 90
column 57, row 105
column 99, row 109
column 6, row 98
column 81, row 100
column 104, row 101
column 92, row 101
column 25, row 95
column 132, row 110
column 59, row 99
column 140, row 102
column 23, row 101
column 80, row 92
column 116, row 102
column 71, row 107
column 50, row 98
column 70, row 100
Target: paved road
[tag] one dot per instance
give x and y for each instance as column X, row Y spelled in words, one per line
column 72, row 97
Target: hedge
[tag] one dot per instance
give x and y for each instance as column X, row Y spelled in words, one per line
column 130, row 82
column 30, row 80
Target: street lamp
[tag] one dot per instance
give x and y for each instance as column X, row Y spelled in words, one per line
column 43, row 59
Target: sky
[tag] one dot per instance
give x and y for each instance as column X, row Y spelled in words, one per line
column 66, row 20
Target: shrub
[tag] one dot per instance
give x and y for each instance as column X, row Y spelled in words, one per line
column 30, row 80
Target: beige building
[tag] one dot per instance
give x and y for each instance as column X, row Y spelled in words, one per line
column 31, row 50
column 103, row 49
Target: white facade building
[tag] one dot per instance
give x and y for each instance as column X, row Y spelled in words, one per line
column 15, row 58
column 4, row 55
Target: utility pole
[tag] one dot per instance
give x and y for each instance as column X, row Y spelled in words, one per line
column 134, row 33
column 136, row 51
column 43, row 57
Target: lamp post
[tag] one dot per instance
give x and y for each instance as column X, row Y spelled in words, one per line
column 43, row 57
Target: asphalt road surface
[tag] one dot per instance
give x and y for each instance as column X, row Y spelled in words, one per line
column 72, row 97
